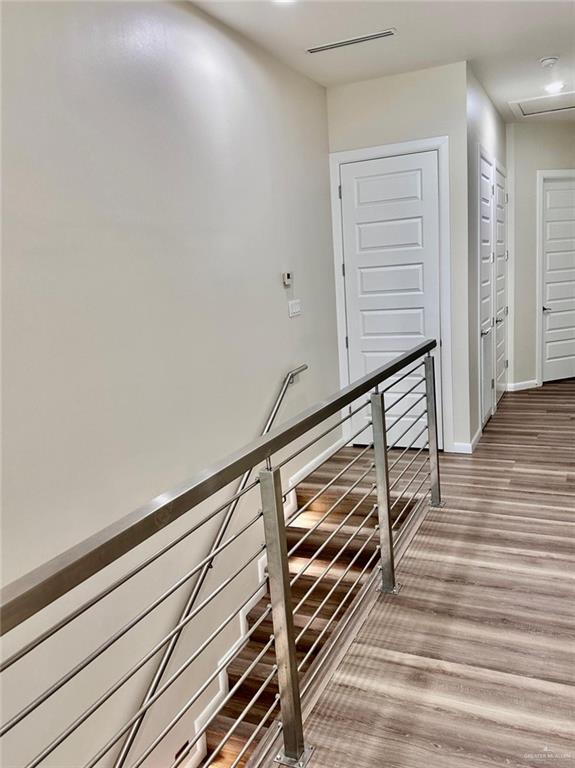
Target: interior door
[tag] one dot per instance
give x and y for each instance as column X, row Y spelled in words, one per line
column 486, row 292
column 501, row 310
column 558, row 279
column 390, row 209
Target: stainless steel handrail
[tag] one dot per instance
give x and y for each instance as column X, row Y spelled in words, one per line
column 95, row 599
column 360, row 536
column 30, row 593
column 132, row 671
column 289, row 378
column 118, row 634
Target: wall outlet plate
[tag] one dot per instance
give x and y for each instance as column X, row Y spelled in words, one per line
column 294, row 307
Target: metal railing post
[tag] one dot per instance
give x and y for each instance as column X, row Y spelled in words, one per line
column 295, row 752
column 432, row 431
column 382, row 487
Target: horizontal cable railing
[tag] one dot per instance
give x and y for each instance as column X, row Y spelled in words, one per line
column 324, row 545
column 170, row 648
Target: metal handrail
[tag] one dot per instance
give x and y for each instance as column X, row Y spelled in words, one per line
column 332, row 558
column 27, row 595
column 289, row 378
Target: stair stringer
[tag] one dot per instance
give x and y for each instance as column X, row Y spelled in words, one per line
column 200, row 749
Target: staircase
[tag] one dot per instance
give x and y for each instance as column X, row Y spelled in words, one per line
column 332, row 553
column 259, row 698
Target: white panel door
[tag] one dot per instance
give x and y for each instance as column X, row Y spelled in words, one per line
column 500, row 285
column 390, row 210
column 558, row 279
column 486, row 292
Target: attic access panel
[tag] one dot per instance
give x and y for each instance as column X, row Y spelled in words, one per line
column 544, row 105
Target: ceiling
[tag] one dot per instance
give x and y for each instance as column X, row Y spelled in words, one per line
column 502, row 39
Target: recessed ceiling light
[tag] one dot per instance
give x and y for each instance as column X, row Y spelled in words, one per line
column 555, row 87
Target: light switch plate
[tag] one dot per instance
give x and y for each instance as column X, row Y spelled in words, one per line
column 294, row 307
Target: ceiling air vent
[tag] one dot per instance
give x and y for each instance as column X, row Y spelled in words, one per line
column 352, row 41
column 544, row 105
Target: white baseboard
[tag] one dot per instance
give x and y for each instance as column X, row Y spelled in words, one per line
column 290, row 505
column 200, row 749
column 517, row 386
column 317, row 460
column 467, row 447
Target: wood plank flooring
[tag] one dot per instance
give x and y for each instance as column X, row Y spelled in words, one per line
column 473, row 663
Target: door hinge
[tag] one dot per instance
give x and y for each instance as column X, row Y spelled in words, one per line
column 506, row 198
column 492, row 383
column 492, row 257
column 506, row 311
column 493, row 189
column 507, row 363
column 343, row 268
column 339, row 191
column 506, row 255
column 347, row 342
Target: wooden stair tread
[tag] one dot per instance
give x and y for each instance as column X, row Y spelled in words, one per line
column 341, row 582
column 331, row 541
column 316, row 568
column 234, row 745
column 255, row 712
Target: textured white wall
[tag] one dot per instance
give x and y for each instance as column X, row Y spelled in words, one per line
column 417, row 105
column 159, row 173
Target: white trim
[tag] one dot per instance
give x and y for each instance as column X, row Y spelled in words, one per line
column 496, row 166
column 337, row 230
column 290, row 505
column 483, row 153
column 200, row 748
column 511, row 248
column 503, row 171
column 336, row 160
column 199, row 751
column 542, row 176
column 518, row 386
column 467, row 447
column 314, row 463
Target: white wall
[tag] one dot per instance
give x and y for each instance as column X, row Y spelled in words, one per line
column 531, row 147
column 485, row 127
column 418, row 105
column 159, row 174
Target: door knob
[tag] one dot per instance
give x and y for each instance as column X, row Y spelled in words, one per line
column 547, row 309
column 499, row 320
column 485, row 333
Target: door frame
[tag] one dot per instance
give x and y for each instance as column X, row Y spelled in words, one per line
column 440, row 144
column 542, row 177
column 497, row 166
column 503, row 171
column 483, row 153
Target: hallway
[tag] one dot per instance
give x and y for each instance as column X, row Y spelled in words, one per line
column 473, row 663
